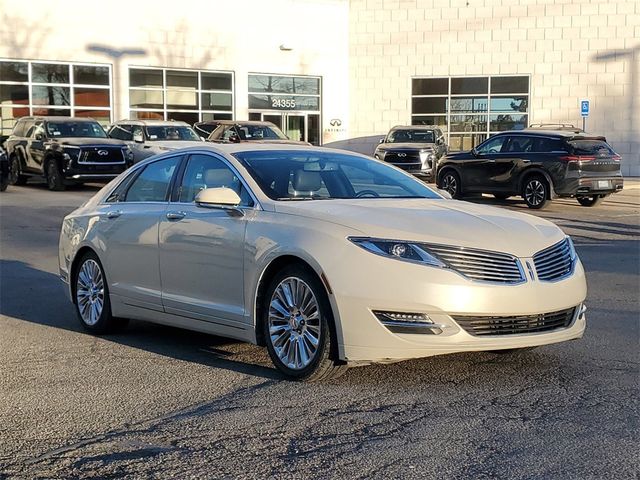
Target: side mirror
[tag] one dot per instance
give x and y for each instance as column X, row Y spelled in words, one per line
column 445, row 194
column 382, row 140
column 138, row 137
column 39, row 136
column 217, row 198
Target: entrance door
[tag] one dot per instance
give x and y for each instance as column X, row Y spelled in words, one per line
column 304, row 127
column 295, row 126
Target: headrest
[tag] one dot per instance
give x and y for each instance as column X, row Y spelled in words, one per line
column 306, row 181
column 218, row 177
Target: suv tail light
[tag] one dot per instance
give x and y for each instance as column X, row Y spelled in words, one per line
column 576, row 158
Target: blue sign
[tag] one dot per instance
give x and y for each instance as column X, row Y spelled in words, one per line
column 584, row 108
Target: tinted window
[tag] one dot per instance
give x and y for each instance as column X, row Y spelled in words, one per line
column 260, row 132
column 89, row 75
column 509, row 84
column 520, row 144
column 411, row 136
column 75, row 129
column 14, row 71
column 121, row 132
column 171, row 133
column 206, row 171
column 153, row 183
column 493, row 145
column 320, row 175
column 49, row 73
column 430, row 86
column 469, row 85
column 590, row 147
column 548, row 145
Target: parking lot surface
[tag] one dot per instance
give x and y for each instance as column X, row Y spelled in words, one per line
column 166, row 403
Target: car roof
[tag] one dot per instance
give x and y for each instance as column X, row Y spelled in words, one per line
column 567, row 134
column 416, row 127
column 58, row 118
column 148, row 123
column 244, row 122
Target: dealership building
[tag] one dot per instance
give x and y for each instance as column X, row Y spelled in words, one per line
column 338, row 72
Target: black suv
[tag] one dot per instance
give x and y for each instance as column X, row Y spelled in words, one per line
column 413, row 148
column 64, row 149
column 536, row 164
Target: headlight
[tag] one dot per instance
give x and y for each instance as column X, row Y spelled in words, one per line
column 427, row 159
column 399, row 250
column 127, row 153
column 70, row 152
column 380, row 153
column 572, row 250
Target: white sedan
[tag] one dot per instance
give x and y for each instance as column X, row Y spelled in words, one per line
column 327, row 258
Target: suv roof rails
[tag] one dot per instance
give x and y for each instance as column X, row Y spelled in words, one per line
column 556, row 126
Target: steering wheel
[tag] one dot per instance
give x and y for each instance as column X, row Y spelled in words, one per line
column 367, row 193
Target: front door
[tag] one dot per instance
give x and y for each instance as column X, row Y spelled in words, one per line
column 299, row 126
column 202, row 249
column 479, row 169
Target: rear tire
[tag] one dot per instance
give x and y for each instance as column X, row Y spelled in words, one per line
column 298, row 326
column 55, row 180
column 450, row 181
column 15, row 175
column 590, row 201
column 91, row 297
column 535, row 192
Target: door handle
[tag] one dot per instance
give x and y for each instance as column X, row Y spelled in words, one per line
column 114, row 213
column 176, row 215
column 491, row 160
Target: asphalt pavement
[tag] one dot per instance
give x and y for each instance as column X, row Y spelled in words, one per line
column 159, row 402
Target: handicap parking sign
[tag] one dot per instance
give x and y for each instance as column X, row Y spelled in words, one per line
column 584, row 108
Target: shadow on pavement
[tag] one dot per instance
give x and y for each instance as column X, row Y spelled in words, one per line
column 49, row 307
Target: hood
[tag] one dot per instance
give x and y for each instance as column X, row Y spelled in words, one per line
column 81, row 141
column 447, row 222
column 171, row 144
column 407, row 146
column 460, row 155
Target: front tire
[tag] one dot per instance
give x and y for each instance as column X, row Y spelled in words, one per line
column 298, row 326
column 91, row 297
column 15, row 177
column 590, row 201
column 55, row 180
column 450, row 181
column 535, row 192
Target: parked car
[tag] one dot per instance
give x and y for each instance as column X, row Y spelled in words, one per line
column 150, row 137
column 64, row 150
column 4, row 165
column 414, row 148
column 231, row 131
column 326, row 257
column 204, row 129
column 538, row 165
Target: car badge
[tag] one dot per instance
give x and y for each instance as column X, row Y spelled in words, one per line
column 402, row 154
column 103, row 152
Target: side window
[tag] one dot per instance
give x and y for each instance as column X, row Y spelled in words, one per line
column 493, row 145
column 547, row 145
column 153, row 183
column 137, row 130
column 18, row 130
column 228, row 133
column 121, row 132
column 38, row 129
column 29, row 127
column 521, row 144
column 206, row 171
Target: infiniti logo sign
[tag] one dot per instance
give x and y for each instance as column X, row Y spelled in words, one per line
column 103, row 152
column 335, row 122
column 402, row 154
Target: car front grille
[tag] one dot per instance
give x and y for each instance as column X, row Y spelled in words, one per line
column 101, row 155
column 402, row 157
column 554, row 263
column 543, row 322
column 480, row 265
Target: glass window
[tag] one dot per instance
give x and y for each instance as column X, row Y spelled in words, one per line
column 320, row 175
column 85, row 129
column 548, row 145
column 520, row 144
column 207, row 116
column 217, row 101
column 42, row 95
column 501, row 123
column 468, row 123
column 49, row 73
column 509, row 104
column 216, row 81
column 430, row 86
column 121, row 132
column 509, row 85
column 468, row 104
column 51, row 112
column 14, row 72
column 493, row 145
column 439, row 120
column 187, row 117
column 146, row 99
column 14, row 94
column 429, row 105
column 280, row 84
column 411, row 136
column 590, row 147
column 90, row 75
column 182, row 100
column 19, row 129
column 206, row 171
column 182, row 79
column 153, row 183
column 102, row 116
column 466, row 85
column 163, row 132
column 91, row 97
column 145, row 78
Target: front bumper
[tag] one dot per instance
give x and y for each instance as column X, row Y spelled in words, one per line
column 385, row 286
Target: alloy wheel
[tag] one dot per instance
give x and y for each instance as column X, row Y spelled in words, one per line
column 90, row 292
column 450, row 184
column 294, row 323
column 535, row 192
column 14, row 171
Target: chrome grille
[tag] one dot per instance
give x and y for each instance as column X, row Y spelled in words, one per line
column 480, row 265
column 555, row 262
column 96, row 155
column 402, row 157
column 543, row 322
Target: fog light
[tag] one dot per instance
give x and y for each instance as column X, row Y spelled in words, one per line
column 399, row 250
column 408, row 322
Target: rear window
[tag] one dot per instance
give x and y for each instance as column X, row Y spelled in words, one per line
column 590, row 147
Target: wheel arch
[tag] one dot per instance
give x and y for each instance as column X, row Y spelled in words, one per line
column 443, row 169
column 81, row 252
column 536, row 171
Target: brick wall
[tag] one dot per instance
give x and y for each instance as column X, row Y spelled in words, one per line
column 572, row 49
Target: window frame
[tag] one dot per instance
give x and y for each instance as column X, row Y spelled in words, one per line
column 140, row 171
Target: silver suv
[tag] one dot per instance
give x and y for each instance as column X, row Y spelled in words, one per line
column 149, row 137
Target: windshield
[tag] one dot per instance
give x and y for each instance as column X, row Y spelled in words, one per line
column 411, row 136
column 171, row 132
column 260, row 132
column 75, row 129
column 317, row 175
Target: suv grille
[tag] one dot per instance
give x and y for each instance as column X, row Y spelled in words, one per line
column 555, row 262
column 543, row 322
column 480, row 264
column 98, row 155
column 402, row 157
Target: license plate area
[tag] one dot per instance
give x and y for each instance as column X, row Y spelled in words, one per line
column 603, row 184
